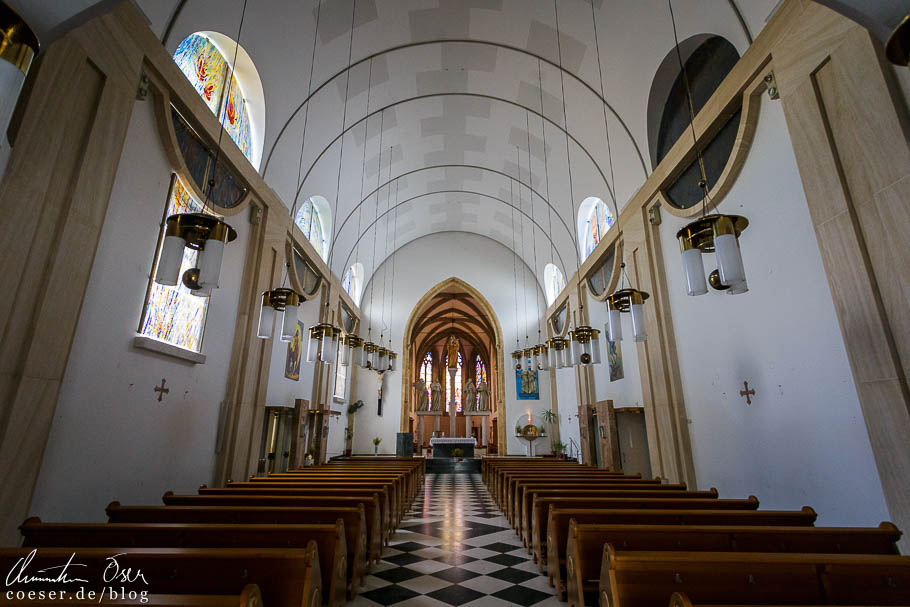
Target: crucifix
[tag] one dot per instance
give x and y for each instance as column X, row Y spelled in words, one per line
column 161, row 390
column 747, row 393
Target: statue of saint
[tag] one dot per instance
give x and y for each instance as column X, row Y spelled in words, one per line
column 453, row 351
column 423, row 401
column 436, row 389
column 469, row 396
column 483, row 389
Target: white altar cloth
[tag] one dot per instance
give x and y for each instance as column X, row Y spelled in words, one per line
column 449, row 440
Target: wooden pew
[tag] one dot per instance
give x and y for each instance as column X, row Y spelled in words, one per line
column 511, row 481
column 285, row 576
column 398, row 482
column 494, row 474
column 559, row 519
column 679, row 599
column 648, row 579
column 544, row 504
column 337, row 577
column 249, row 597
column 524, row 509
column 397, row 499
column 360, row 524
column 372, row 502
column 584, row 551
column 539, row 497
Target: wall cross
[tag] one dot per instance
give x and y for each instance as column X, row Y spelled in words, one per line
column 747, row 393
column 161, row 390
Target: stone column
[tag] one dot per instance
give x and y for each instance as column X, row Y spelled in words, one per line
column 483, row 431
column 467, row 425
column 419, row 433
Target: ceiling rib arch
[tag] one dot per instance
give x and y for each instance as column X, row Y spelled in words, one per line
column 490, row 196
column 338, row 137
column 509, row 47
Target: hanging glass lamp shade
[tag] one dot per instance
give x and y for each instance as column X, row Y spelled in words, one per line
column 328, row 352
column 350, row 353
column 631, row 301
column 556, row 347
column 278, row 301
column 615, row 322
column 516, row 360
column 541, row 352
column 718, row 234
column 199, row 231
column 312, row 346
column 581, row 348
column 393, row 360
column 18, row 48
column 370, row 358
column 382, row 360
column 594, row 347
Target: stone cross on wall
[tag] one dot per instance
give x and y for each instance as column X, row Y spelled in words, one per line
column 161, row 390
column 747, row 393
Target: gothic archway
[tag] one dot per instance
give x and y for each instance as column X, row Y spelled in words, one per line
column 453, row 307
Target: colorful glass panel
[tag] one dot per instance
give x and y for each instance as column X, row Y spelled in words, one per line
column 173, row 314
column 207, row 70
column 426, row 373
column 599, row 222
column 346, row 282
column 480, row 374
column 459, row 364
column 310, row 223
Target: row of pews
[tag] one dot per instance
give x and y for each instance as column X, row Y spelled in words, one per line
column 624, row 541
column 301, row 538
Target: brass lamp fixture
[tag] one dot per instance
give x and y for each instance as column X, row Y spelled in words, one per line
column 516, row 360
column 556, row 350
column 629, row 300
column 541, row 357
column 351, row 350
column 284, row 301
column 584, row 346
column 718, row 234
column 201, row 232
column 323, row 343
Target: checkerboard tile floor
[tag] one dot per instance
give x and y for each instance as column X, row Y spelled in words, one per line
column 455, row 548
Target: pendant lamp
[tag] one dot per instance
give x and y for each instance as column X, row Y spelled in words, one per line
column 283, row 301
column 201, row 232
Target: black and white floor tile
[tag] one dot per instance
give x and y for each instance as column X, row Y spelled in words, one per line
column 455, row 548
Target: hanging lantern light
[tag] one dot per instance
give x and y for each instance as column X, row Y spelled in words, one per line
column 555, row 352
column 541, row 352
column 370, row 359
column 719, row 234
column 350, row 350
column 285, row 301
column 201, row 232
column 393, row 358
column 328, row 353
column 584, row 346
column 628, row 300
column 382, row 360
column 516, row 360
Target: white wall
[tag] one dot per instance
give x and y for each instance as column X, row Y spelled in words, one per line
column 421, row 264
column 803, row 440
column 111, row 439
column 282, row 391
column 567, row 397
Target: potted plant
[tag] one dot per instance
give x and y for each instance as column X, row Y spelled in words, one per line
column 457, row 453
column 560, row 449
column 376, row 441
column 518, row 430
column 549, row 418
column 348, row 440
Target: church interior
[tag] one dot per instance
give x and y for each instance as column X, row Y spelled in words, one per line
column 455, row 302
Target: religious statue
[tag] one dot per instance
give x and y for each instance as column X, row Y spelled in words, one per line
column 483, row 390
column 436, row 389
column 529, row 381
column 469, row 397
column 453, row 351
column 423, row 401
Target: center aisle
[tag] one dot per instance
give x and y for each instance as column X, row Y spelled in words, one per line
column 455, row 548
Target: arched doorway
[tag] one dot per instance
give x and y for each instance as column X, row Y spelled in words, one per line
column 454, row 308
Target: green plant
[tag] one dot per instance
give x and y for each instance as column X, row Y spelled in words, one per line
column 457, row 452
column 559, row 447
column 548, row 416
column 518, row 429
column 376, row 441
column 354, row 407
column 348, row 433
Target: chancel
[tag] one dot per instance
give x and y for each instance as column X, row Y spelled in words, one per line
column 490, row 302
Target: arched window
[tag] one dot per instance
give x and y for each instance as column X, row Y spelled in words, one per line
column 459, row 374
column 352, row 281
column 174, row 314
column 554, row 282
column 480, row 374
column 594, row 219
column 426, row 372
column 203, row 58
column 707, row 60
column 311, row 219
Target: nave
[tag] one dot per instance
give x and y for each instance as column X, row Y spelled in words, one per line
column 455, row 547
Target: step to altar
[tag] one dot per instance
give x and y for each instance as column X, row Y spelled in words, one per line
column 451, row 465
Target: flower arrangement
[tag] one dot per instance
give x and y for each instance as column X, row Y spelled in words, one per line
column 457, row 452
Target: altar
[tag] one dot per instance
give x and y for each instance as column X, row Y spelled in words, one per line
column 443, row 446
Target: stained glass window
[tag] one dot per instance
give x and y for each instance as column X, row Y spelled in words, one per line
column 426, row 373
column 554, row 282
column 599, row 221
column 310, row 223
column 341, row 376
column 173, row 314
column 480, row 374
column 206, row 69
column 459, row 364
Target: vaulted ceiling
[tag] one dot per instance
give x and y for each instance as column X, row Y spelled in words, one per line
column 455, row 115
